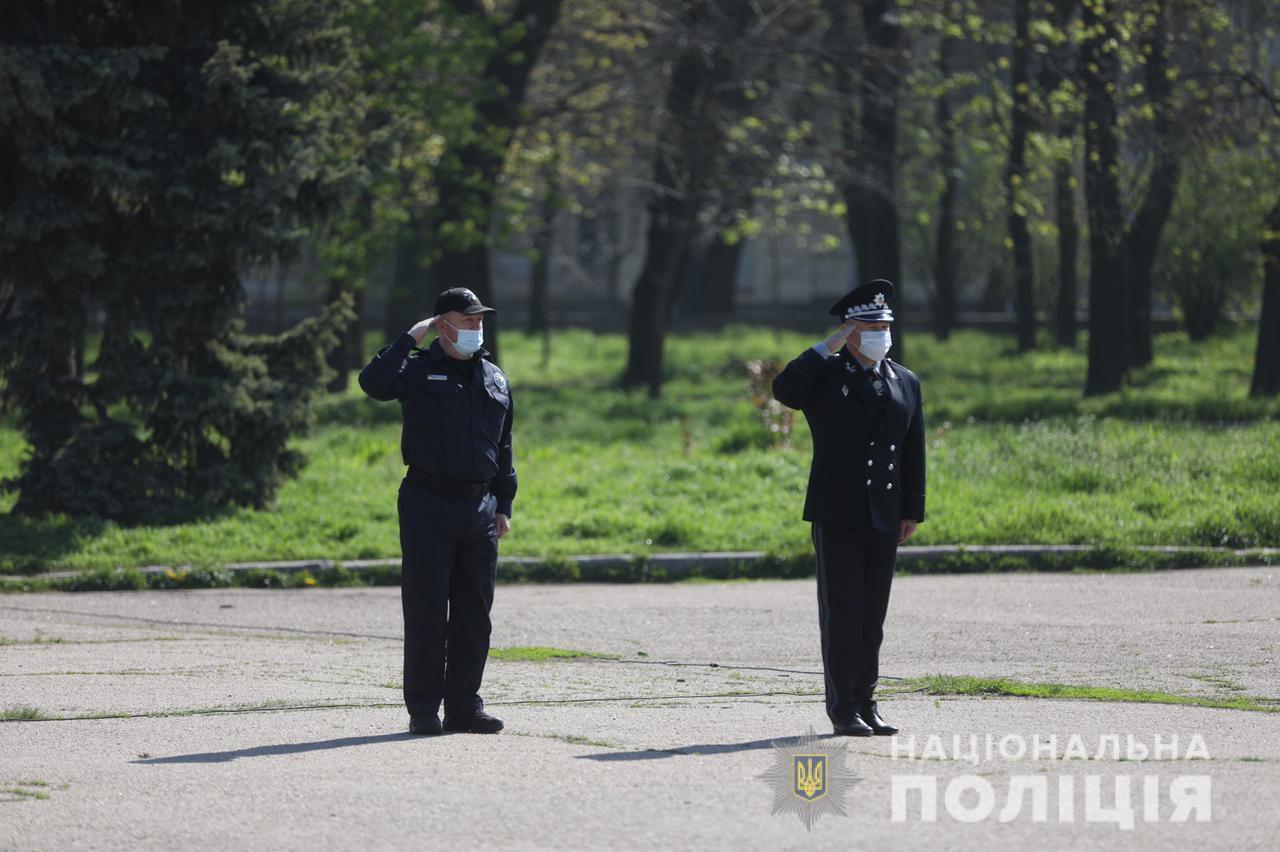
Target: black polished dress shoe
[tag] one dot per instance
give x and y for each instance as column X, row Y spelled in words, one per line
column 425, row 726
column 478, row 723
column 854, row 727
column 871, row 715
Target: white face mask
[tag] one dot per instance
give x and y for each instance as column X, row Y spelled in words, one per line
column 875, row 344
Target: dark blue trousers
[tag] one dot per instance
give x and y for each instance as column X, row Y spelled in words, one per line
column 449, row 548
column 855, row 571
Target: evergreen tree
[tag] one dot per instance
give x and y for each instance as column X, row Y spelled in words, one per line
column 149, row 152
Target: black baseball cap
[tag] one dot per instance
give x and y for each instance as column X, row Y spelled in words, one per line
column 462, row 300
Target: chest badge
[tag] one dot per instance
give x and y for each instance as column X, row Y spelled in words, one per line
column 844, row 389
column 878, row 385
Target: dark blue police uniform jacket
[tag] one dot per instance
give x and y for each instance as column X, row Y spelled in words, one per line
column 457, row 422
column 868, row 457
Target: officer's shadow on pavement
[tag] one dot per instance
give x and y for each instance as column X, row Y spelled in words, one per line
column 275, row 750
column 345, row 742
column 711, row 748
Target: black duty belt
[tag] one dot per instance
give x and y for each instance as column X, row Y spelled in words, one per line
column 449, row 487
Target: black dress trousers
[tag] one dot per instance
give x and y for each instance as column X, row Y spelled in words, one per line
column 450, row 558
column 855, row 571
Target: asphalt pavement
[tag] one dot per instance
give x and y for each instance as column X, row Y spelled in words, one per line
column 239, row 719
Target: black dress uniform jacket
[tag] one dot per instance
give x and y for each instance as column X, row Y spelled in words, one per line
column 457, row 423
column 868, row 454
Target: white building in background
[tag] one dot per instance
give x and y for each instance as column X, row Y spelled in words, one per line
column 592, row 272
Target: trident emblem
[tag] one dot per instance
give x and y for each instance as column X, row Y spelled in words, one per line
column 811, row 776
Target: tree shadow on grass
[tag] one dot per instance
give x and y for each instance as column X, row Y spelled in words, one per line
column 712, row 748
column 30, row 545
column 275, row 750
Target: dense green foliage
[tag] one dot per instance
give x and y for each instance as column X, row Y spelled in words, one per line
column 1183, row 457
column 153, row 152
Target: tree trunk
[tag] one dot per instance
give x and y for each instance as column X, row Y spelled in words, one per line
column 544, row 240
column 1100, row 72
column 613, row 266
column 466, row 204
column 539, row 279
column 670, row 231
column 1266, row 363
column 337, row 358
column 720, row 278
column 673, row 212
column 458, row 229
column 1144, row 235
column 1201, row 303
column 655, row 293
column 1068, row 247
column 944, row 275
column 1054, row 72
column 689, row 142
column 870, row 188
column 348, row 355
column 995, row 291
column 407, row 291
column 1016, row 179
column 355, row 331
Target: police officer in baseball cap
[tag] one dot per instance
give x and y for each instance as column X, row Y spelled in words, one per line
column 454, row 504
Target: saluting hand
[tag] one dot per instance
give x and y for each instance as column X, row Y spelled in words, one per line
column 504, row 524
column 835, row 341
column 421, row 328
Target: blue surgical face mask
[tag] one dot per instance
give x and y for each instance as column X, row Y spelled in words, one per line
column 469, row 341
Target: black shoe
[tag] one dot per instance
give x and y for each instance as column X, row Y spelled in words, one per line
column 854, row 727
column 872, row 717
column 479, row 723
column 425, row 726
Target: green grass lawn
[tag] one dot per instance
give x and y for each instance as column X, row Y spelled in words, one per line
column 1180, row 457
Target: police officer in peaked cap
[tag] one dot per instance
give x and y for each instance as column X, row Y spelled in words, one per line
column 866, row 491
column 454, row 505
